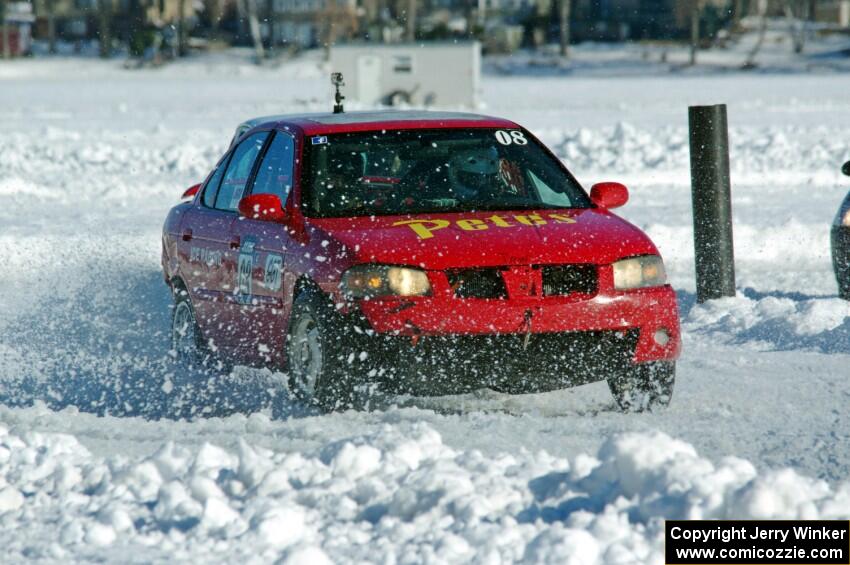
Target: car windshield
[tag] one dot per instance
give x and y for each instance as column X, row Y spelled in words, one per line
column 398, row 172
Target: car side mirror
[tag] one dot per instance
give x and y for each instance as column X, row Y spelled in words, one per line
column 846, row 168
column 191, row 192
column 265, row 207
column 609, row 194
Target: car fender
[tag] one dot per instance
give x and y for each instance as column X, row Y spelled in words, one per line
column 170, row 236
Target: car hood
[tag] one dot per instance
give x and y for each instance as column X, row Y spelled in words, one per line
column 481, row 239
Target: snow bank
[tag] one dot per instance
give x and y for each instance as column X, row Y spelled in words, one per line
column 775, row 321
column 758, row 155
column 62, row 166
column 398, row 494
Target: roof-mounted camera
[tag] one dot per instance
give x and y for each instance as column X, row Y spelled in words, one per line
column 337, row 81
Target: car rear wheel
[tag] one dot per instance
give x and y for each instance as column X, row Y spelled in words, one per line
column 644, row 387
column 317, row 355
column 185, row 335
column 187, row 341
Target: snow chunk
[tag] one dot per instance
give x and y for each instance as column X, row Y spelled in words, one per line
column 780, row 494
column 564, row 546
column 10, row 499
column 309, row 555
column 356, row 461
column 100, row 534
column 218, row 514
column 280, row 526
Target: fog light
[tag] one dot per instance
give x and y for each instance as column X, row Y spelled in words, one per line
column 661, row 337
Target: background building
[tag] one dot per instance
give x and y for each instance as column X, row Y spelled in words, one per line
column 16, row 29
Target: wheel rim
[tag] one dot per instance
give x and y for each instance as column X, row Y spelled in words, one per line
column 306, row 355
column 183, row 337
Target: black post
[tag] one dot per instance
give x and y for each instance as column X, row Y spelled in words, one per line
column 712, row 202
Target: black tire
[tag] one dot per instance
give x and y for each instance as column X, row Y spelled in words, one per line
column 844, row 286
column 842, row 275
column 187, row 340
column 397, row 98
column 319, row 354
column 644, row 387
column 840, row 247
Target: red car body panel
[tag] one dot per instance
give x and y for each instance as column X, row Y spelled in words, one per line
column 202, row 249
column 481, row 239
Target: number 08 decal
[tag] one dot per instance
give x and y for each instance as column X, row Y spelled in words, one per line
column 510, row 137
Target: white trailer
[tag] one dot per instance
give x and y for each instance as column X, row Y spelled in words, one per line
column 421, row 74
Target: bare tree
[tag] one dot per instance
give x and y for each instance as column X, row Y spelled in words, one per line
column 271, row 18
column 696, row 6
column 50, row 6
column 329, row 27
column 254, row 25
column 410, row 32
column 249, row 8
column 737, row 13
column 104, row 31
column 181, row 28
column 762, row 13
column 564, row 13
column 337, row 20
column 795, row 13
column 372, row 9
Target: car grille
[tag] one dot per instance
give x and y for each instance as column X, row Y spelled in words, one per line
column 560, row 280
column 477, row 283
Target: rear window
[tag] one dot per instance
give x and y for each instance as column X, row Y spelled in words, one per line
column 397, row 172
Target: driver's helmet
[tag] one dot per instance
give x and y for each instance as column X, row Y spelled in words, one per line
column 474, row 172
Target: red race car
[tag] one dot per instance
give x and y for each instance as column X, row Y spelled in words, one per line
column 416, row 251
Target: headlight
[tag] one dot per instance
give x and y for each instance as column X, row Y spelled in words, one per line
column 365, row 281
column 845, row 219
column 639, row 272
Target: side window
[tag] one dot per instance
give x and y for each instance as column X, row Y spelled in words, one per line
column 238, row 170
column 275, row 173
column 212, row 185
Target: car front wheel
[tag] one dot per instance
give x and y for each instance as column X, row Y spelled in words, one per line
column 644, row 387
column 316, row 352
column 841, row 259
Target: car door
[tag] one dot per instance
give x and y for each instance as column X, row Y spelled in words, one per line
column 261, row 259
column 210, row 252
column 202, row 247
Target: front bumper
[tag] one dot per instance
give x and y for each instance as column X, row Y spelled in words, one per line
column 640, row 313
column 841, row 258
column 509, row 362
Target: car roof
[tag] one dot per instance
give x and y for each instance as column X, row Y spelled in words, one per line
column 327, row 122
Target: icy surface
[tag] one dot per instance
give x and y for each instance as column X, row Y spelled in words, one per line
column 93, row 465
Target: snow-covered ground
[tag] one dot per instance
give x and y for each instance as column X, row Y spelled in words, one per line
column 93, row 465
